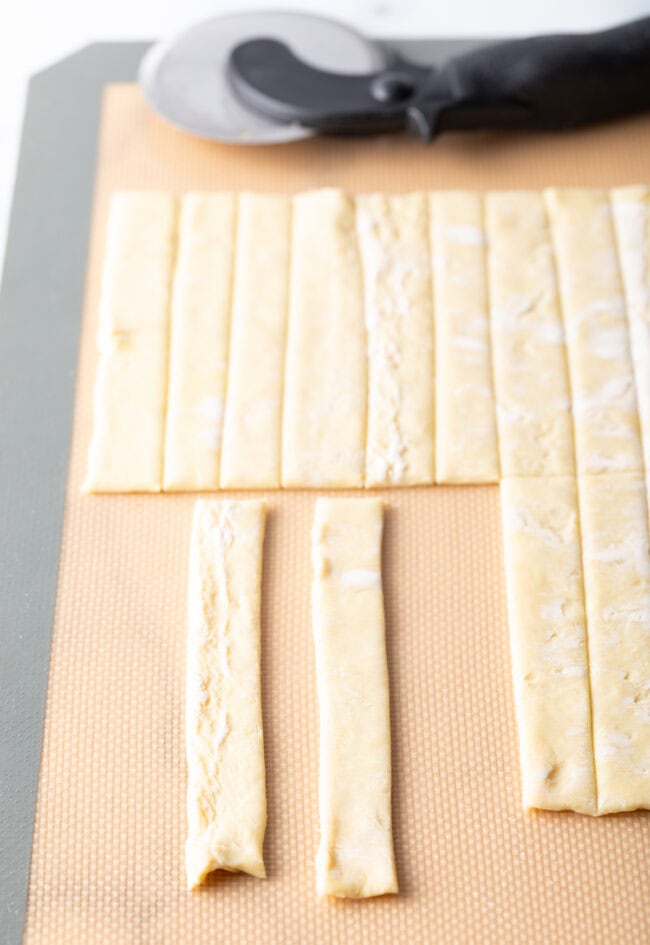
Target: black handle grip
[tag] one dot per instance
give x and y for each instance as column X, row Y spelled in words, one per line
column 546, row 82
column 269, row 78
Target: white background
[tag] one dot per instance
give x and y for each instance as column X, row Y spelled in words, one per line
column 35, row 33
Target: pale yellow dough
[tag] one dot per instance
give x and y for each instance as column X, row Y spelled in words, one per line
column 355, row 856
column 631, row 206
column 226, row 798
column 600, row 364
column 324, row 422
column 126, row 450
column 530, row 368
column 548, row 642
column 617, row 587
column 297, row 345
column 393, row 240
column 466, row 436
column 199, row 341
column 250, row 454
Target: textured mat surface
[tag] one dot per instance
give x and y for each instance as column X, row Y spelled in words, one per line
column 108, row 850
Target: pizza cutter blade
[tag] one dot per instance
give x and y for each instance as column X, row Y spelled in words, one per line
column 185, row 79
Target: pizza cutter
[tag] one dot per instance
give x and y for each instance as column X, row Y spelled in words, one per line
column 271, row 77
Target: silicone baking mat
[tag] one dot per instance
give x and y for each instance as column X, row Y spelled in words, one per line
column 107, row 863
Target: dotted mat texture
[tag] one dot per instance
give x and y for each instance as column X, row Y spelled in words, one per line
column 107, row 866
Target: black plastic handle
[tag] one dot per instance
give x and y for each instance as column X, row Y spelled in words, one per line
column 544, row 82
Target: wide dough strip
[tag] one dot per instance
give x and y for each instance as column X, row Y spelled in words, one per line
column 126, row 449
column 530, row 367
column 355, row 855
column 631, row 208
column 606, row 419
column 200, row 334
column 250, row 454
column 466, row 436
column 614, row 523
column 548, row 638
column 393, row 241
column 324, row 418
column 226, row 796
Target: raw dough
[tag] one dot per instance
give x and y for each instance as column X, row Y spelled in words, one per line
column 394, row 246
column 631, row 206
column 531, row 380
column 548, row 642
column 126, row 450
column 226, row 799
column 355, row 856
column 250, row 455
column 268, row 322
column 600, row 364
column 324, row 422
column 617, row 588
column 466, row 436
column 199, row 341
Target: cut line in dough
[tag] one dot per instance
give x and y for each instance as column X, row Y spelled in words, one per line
column 614, row 520
column 324, row 419
column 606, row 419
column 531, row 379
column 198, row 364
column 250, row 455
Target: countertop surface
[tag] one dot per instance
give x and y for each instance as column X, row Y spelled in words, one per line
column 35, row 33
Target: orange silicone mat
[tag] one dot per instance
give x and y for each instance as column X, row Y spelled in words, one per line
column 107, row 865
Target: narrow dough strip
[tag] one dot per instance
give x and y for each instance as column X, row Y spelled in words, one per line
column 199, row 341
column 548, row 639
column 324, row 417
column 631, row 207
column 531, row 379
column 250, row 456
column 226, row 797
column 394, row 245
column 606, row 420
column 355, row 856
column 614, row 522
column 466, row 436
column 126, row 449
